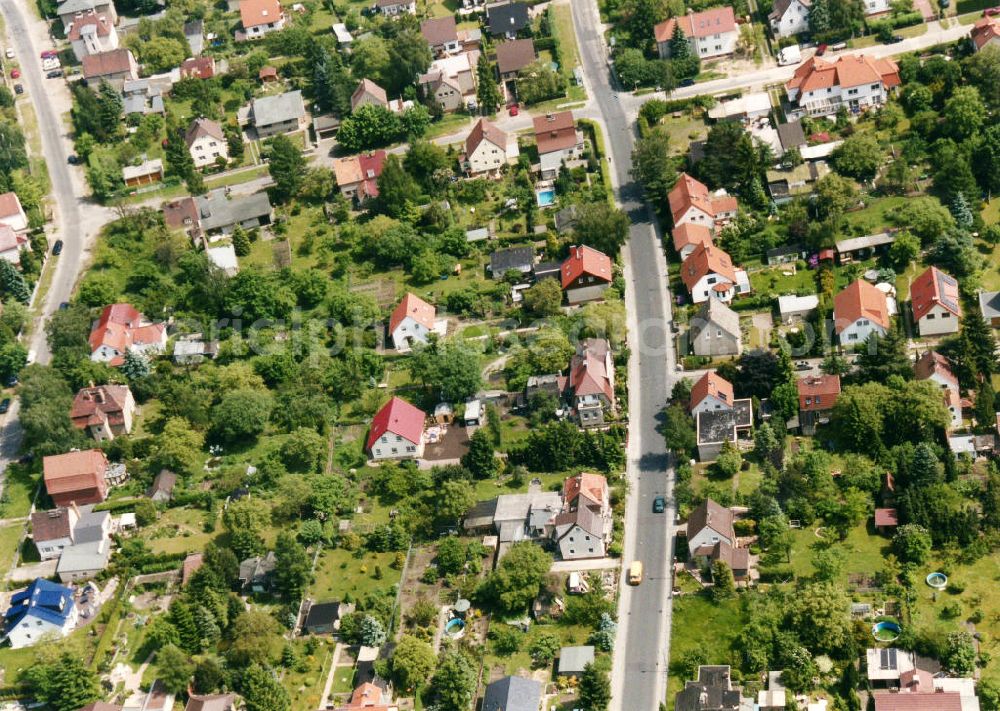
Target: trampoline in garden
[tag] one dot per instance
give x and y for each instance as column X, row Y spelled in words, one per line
column 938, row 581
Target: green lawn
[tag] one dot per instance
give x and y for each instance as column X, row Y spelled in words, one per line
column 18, row 490
column 571, row 635
column 306, row 687
column 339, row 572
column 874, row 216
column 784, row 279
column 9, row 537
column 864, row 551
column 700, row 624
column 178, row 530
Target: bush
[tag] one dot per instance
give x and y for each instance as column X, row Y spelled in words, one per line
column 951, row 610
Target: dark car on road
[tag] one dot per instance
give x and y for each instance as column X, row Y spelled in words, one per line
column 54, row 74
column 4, row 405
column 18, row 89
column 659, row 504
column 686, row 82
column 57, row 247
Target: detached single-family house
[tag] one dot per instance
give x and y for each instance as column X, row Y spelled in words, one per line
column 713, row 428
column 324, row 617
column 392, row 8
column 11, row 212
column 558, row 141
column 412, row 321
column 90, row 33
column 397, row 431
column 986, row 32
column 485, row 149
column 219, row 213
column 42, row 610
column 714, row 686
column 69, row 9
column 52, row 531
column 198, row 68
column 989, row 304
column 789, row 17
column 103, row 411
column 451, row 81
column 708, row 525
column 935, row 367
column 11, row 244
column 283, row 113
column 206, row 142
column 688, row 236
column 441, row 34
column 210, row 702
column 711, row 392
column 122, row 328
column 78, row 536
column 513, row 693
column 573, row 660
column 583, row 528
column 590, row 385
column 935, row 303
column 507, row 18
column 710, row 33
column 708, row 273
column 715, row 330
column 368, row 93
column 256, row 573
column 786, row 184
column 876, row 7
column 519, row 259
column 817, row 396
column 586, row 273
column 343, row 35
column 513, row 56
column 858, row 311
column 820, row 87
column 145, row 173
column 371, row 695
column 76, row 477
column 162, row 488
column 258, row 18
column 357, row 176
column 690, row 201
column 115, row 67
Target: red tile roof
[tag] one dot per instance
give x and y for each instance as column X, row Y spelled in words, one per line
column 74, row 471
column 818, row 392
column 933, row 363
column 554, row 132
column 11, row 240
column 591, row 371
column 985, row 30
column 860, row 300
column 398, row 417
column 591, row 486
column 190, row 566
column 938, row 701
column 88, row 20
column 687, row 192
column 584, row 260
column 934, row 287
column 846, row 71
column 10, row 206
column 690, row 233
column 179, row 214
column 198, row 67
column 886, row 517
column 715, row 21
column 414, row 307
column 104, row 64
column 711, row 383
column 121, row 327
column 484, row 130
column 259, row 12
column 96, row 405
column 707, row 259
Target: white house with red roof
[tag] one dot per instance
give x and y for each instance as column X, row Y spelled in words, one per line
column 711, row 33
column 259, row 17
column 817, row 396
column 91, row 33
column 936, row 368
column 557, row 140
column 11, row 244
column 934, row 301
column 691, row 201
column 711, row 392
column 585, row 273
column 487, row 149
column 688, row 236
column 357, row 176
column 986, row 32
column 122, row 328
column 860, row 310
column 412, row 321
column 859, row 82
column 397, row 432
column 11, row 212
column 584, row 527
column 708, row 273
column 590, row 385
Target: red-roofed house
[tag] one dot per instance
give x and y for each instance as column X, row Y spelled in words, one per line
column 558, row 141
column 711, row 33
column 584, row 527
column 886, row 520
column 104, row 411
column 91, row 33
column 122, row 328
column 115, row 67
column 259, row 17
column 368, row 697
column 586, row 489
column 397, row 432
column 929, row 701
column 485, row 149
column 411, row 321
column 76, row 477
column 711, row 392
column 586, row 273
column 11, row 244
column 935, row 367
column 357, row 176
column 198, row 68
column 858, row 311
column 690, row 201
column 590, row 385
column 986, row 32
column 11, row 212
column 934, row 300
column 821, row 87
column 688, row 236
column 817, row 396
column 708, row 273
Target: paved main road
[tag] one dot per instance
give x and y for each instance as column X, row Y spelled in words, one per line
column 641, row 650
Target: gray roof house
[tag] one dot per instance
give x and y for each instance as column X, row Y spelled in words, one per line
column 989, row 304
column 83, row 560
column 513, row 693
column 713, row 691
column 572, row 660
column 255, row 573
column 162, row 488
column 218, row 213
column 283, row 113
column 520, row 259
column 715, row 330
column 791, row 135
column 68, row 9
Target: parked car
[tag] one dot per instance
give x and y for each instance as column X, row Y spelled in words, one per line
column 15, row 73
column 895, row 39
column 9, row 53
column 686, row 82
column 49, row 53
column 55, row 74
column 4, row 405
column 18, row 89
column 50, row 63
column 11, row 381
column 659, row 504
column 57, row 247
column 821, row 50
column 514, row 110
column 803, row 365
column 63, row 305
column 73, row 159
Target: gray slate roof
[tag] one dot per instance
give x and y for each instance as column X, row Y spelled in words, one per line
column 513, row 693
column 216, row 211
column 714, row 312
column 268, row 110
column 989, row 304
column 572, row 660
column 520, row 258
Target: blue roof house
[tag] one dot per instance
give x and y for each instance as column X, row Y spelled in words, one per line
column 43, row 609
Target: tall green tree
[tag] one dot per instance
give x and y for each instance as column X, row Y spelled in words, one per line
column 487, row 91
column 454, row 681
column 64, row 683
column 517, row 580
column 293, row 567
column 262, row 691
column 396, row 189
column 481, row 458
column 595, row 687
column 287, row 167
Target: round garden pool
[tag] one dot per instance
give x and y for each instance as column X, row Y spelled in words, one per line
column 938, row 581
column 455, row 627
column 885, row 631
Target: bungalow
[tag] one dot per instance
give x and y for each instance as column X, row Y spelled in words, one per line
column 507, row 18
column 710, row 33
column 590, row 385
column 793, row 309
column 69, row 9
column 574, row 660
column 206, row 143
column 558, row 141
column 412, row 321
column 324, row 617
column 709, row 273
column 688, row 236
column 986, row 32
column 935, row 367
column 513, row 56
column 441, row 34
column 714, row 682
column 193, row 348
column 103, row 411
column 789, row 17
column 76, row 477
column 397, row 431
column 785, row 184
column 90, row 33
column 713, row 428
column 162, row 489
column 817, row 396
column 146, row 173
column 858, row 311
column 40, row 611
column 586, row 273
column 283, row 113
column 392, row 8
column 934, row 301
column 121, row 328
column 451, row 81
column 357, row 176
column 11, row 244
column 115, row 67
column 711, row 392
column 715, row 330
column 513, row 693
column 989, row 306
column 583, row 528
column 786, row 254
column 859, row 248
column 256, row 573
column 690, row 201
column 258, row 18
column 791, row 135
column 219, row 213
column 198, row 68
column 11, row 212
column 343, row 35
column 519, row 259
column 486, row 149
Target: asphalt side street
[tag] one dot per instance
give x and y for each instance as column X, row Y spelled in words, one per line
column 641, row 651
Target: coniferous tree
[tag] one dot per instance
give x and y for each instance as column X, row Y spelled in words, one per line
column 679, row 47
column 487, row 91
